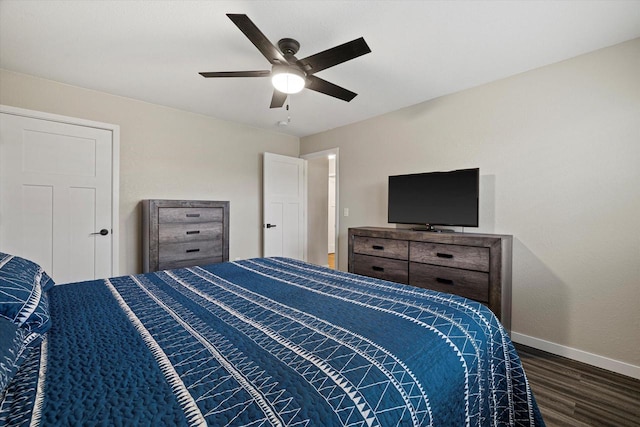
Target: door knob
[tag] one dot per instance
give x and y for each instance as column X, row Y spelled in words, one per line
column 270, row 225
column 102, row 232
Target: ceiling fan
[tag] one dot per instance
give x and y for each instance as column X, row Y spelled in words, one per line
column 289, row 74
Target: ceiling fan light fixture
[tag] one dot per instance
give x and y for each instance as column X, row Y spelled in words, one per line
column 288, row 79
column 288, row 73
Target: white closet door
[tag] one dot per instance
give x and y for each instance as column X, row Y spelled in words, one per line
column 284, row 206
column 55, row 194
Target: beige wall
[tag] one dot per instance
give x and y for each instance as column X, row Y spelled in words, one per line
column 167, row 153
column 559, row 155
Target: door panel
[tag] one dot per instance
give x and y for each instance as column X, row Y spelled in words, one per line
column 55, row 192
column 82, row 223
column 291, row 241
column 37, row 228
column 61, row 154
column 273, row 242
column 284, row 187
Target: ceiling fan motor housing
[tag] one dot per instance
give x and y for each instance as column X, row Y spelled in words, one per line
column 288, row 46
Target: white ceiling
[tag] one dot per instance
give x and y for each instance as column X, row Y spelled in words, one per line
column 153, row 50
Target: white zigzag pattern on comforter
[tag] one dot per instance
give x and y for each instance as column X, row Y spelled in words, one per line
column 407, row 310
column 409, row 388
column 192, row 412
column 340, row 381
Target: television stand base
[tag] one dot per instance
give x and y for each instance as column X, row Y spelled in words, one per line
column 478, row 265
column 432, row 229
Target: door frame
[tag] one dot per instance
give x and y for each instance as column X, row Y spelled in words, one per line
column 115, row 167
column 324, row 153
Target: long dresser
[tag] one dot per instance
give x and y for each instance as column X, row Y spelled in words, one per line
column 475, row 266
column 184, row 233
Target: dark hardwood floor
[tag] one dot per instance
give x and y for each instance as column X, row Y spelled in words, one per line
column 571, row 393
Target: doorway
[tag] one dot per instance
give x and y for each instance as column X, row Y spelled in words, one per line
column 331, row 212
column 323, row 199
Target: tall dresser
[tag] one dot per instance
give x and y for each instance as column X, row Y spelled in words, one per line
column 475, row 266
column 184, row 233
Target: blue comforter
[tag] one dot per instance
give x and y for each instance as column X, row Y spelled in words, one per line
column 268, row 342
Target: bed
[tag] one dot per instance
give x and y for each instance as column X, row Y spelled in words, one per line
column 258, row 342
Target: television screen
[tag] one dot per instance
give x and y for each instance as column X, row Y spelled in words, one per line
column 435, row 198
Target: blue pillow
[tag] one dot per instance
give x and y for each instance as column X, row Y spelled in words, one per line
column 29, row 271
column 22, row 297
column 14, row 341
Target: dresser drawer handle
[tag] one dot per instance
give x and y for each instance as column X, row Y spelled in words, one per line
column 378, row 247
column 193, row 232
column 441, row 255
column 193, row 215
column 376, row 268
column 193, row 250
column 444, row 281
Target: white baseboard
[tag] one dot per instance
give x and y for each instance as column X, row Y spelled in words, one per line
column 579, row 355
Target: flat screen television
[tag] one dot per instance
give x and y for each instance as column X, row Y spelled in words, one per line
column 435, row 198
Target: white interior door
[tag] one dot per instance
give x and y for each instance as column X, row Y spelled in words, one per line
column 55, row 195
column 284, row 206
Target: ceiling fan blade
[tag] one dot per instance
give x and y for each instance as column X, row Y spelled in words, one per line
column 261, row 73
column 278, row 98
column 323, row 86
column 334, row 56
column 273, row 55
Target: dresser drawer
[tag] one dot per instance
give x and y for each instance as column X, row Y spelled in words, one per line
column 382, row 268
column 458, row 256
column 168, row 265
column 469, row 284
column 190, row 215
column 388, row 248
column 190, row 232
column 172, row 252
